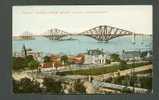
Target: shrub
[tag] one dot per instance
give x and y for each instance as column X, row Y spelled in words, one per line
column 115, row 57
column 79, row 86
column 26, row 85
column 52, row 86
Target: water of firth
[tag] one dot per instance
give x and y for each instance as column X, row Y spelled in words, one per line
column 82, row 43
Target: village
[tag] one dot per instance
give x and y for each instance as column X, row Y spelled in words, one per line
column 89, row 70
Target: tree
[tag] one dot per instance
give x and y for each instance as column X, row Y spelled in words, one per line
column 115, row 57
column 26, row 85
column 52, row 86
column 33, row 65
column 126, row 90
column 47, row 59
column 24, row 50
column 79, row 86
column 29, row 58
column 16, row 85
column 18, row 63
column 146, row 82
column 64, row 59
column 122, row 65
column 107, row 61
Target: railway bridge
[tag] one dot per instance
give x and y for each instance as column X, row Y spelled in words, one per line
column 99, row 33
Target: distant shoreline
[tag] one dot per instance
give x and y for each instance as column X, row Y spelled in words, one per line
column 68, row 35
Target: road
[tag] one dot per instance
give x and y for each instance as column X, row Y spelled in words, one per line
column 19, row 75
column 122, row 73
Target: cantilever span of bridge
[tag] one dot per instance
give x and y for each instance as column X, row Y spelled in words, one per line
column 99, row 33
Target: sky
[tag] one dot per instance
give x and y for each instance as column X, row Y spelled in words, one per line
column 76, row 19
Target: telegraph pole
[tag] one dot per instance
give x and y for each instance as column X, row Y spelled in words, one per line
column 132, row 69
column 25, row 51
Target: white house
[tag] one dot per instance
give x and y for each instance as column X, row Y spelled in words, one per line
column 96, row 59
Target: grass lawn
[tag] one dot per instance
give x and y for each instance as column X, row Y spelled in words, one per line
column 103, row 70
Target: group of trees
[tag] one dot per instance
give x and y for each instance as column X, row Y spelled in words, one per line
column 114, row 57
column 78, row 86
column 47, row 59
column 28, row 62
column 146, row 82
column 64, row 59
column 49, row 86
column 123, row 64
column 26, row 85
column 128, row 80
column 52, row 85
column 107, row 61
column 126, row 90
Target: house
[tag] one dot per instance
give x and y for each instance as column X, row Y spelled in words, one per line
column 54, row 63
column 79, row 59
column 131, row 55
column 96, row 56
column 47, row 65
column 146, row 53
column 51, row 66
column 55, row 58
column 96, row 59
